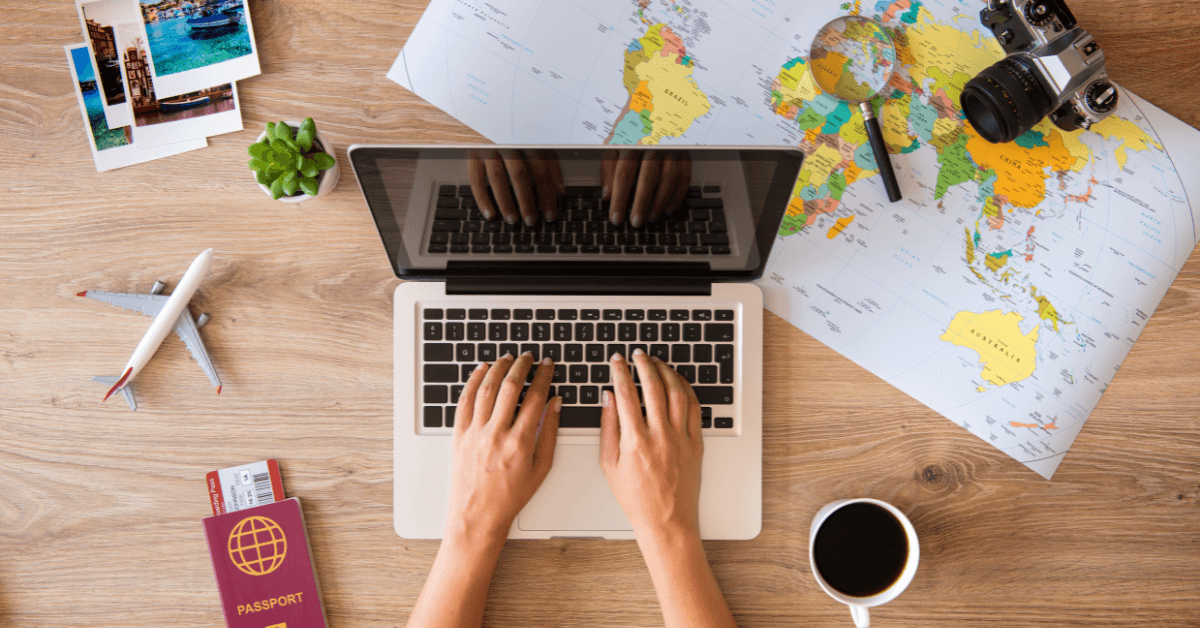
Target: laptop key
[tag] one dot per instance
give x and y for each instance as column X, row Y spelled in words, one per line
column 450, row 411
column 446, row 225
column 481, row 248
column 578, row 373
column 502, row 248
column 500, row 314
column 648, row 332
column 446, row 190
column 718, row 332
column 661, row 352
column 509, row 348
column 723, row 422
column 687, row 372
column 520, row 331
column 441, row 373
column 568, row 315
column 714, row 239
column 679, row 315
column 670, row 333
column 714, row 395
column 560, row 374
column 464, row 352
column 702, row 315
column 465, row 191
column 569, row 394
column 725, row 362
column 545, row 315
column 708, row 374
column 455, row 331
column 614, row 350
column 698, row 250
column 498, row 332
column 589, row 394
column 456, row 314
column 439, row 352
column 681, row 353
column 600, row 373
column 658, row 315
column 487, row 352
column 438, row 248
column 524, row 248
column 610, row 249
column 574, row 353
column 450, row 214
column 476, row 332
column 579, row 416
column 467, row 369
column 553, row 351
column 594, row 353
column 706, row 421
column 692, row 332
column 447, row 202
column 456, row 392
column 547, row 248
column 635, row 315
column 627, row 332
column 606, row 332
column 436, row 394
column 433, row 416
column 589, row 250
column 439, row 237
column 702, row 353
column 562, row 332
column 477, row 314
column 590, row 315
column 472, row 226
column 535, row 350
column 584, row 332
column 460, row 238
column 612, row 315
column 433, row 331
column 541, row 332
column 724, row 315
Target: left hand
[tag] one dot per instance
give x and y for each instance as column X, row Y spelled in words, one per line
column 645, row 184
column 499, row 462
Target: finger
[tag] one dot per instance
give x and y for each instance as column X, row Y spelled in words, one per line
column 681, row 185
column 649, row 175
column 624, row 178
column 629, row 409
column 610, row 433
column 466, row 401
column 676, row 395
column 547, row 192
column 608, row 169
column 666, row 185
column 694, row 415
column 510, row 393
column 477, row 170
column 518, row 174
column 535, row 401
column 653, row 394
column 485, row 399
column 498, row 177
column 555, row 172
column 547, row 437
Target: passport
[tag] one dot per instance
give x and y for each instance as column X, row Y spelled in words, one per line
column 264, row 567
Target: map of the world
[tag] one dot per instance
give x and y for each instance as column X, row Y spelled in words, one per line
column 1004, row 291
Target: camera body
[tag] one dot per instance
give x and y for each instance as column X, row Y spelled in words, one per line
column 1053, row 68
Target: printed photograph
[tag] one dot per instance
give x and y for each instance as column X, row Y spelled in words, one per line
column 111, row 147
column 98, row 19
column 186, row 35
column 201, row 113
column 103, row 137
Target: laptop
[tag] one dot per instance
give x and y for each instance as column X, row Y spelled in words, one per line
column 577, row 289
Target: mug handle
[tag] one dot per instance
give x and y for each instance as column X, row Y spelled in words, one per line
column 862, row 617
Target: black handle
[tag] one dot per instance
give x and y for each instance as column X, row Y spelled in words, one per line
column 882, row 159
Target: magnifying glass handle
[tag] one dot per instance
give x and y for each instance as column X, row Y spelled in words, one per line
column 881, row 153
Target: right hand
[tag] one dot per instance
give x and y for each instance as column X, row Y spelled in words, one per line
column 507, row 172
column 652, row 463
column 646, row 185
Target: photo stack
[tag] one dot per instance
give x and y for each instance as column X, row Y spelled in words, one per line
column 157, row 77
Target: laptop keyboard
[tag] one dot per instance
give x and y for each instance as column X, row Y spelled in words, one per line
column 698, row 343
column 582, row 226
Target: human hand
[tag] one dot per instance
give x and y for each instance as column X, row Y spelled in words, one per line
column 500, row 462
column 520, row 172
column 647, row 183
column 653, row 464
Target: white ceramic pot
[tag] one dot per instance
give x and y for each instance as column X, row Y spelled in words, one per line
column 328, row 178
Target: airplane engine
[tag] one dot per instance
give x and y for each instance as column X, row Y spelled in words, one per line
column 158, row 287
column 201, row 321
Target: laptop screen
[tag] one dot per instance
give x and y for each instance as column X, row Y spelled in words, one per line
column 697, row 212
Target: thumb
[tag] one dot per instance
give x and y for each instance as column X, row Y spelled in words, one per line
column 543, row 456
column 610, row 433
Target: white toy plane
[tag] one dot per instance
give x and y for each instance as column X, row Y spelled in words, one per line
column 169, row 314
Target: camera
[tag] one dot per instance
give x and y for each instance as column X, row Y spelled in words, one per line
column 1053, row 68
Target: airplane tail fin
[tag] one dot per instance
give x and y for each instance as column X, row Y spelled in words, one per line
column 120, row 382
column 126, row 392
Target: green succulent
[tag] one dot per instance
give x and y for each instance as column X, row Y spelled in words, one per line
column 285, row 162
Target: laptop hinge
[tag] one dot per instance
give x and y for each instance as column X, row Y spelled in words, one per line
column 565, row 285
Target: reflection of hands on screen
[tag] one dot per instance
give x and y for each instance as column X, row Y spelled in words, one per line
column 536, row 181
column 646, row 184
column 527, row 184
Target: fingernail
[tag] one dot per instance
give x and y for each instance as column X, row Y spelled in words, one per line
column 527, row 353
column 604, row 191
column 530, row 221
column 636, row 221
column 482, row 365
column 606, row 399
column 557, row 404
column 638, row 351
column 549, row 215
column 617, row 357
column 512, row 220
column 487, row 214
column 547, row 361
column 506, row 355
column 616, row 220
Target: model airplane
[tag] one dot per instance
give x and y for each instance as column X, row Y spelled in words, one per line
column 170, row 313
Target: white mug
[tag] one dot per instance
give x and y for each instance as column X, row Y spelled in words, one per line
column 859, row 605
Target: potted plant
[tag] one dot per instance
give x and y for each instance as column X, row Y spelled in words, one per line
column 292, row 164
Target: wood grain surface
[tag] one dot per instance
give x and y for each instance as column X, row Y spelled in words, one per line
column 100, row 507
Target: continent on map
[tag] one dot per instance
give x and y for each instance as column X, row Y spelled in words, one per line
column 1007, row 355
column 664, row 99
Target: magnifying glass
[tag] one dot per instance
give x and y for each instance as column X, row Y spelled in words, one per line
column 853, row 58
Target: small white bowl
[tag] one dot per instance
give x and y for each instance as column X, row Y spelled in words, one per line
column 329, row 178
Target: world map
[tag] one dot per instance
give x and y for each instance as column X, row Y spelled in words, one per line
column 1004, row 291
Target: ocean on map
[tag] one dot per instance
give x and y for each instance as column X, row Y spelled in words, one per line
column 105, row 137
column 174, row 49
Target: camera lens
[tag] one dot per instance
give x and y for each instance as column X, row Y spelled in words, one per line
column 1005, row 100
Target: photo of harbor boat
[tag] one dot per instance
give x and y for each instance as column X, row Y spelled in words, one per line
column 189, row 35
column 200, row 113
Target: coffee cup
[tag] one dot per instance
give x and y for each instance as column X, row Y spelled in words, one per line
column 863, row 553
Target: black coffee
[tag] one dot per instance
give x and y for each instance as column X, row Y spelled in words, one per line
column 861, row 549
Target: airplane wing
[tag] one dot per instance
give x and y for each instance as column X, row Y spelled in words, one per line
column 185, row 328
column 148, row 304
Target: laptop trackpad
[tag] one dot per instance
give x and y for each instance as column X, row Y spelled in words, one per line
column 575, row 496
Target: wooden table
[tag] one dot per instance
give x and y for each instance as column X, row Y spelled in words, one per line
column 100, row 507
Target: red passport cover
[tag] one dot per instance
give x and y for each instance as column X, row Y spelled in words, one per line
column 264, row 567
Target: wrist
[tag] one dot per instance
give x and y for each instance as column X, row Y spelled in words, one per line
column 475, row 538
column 668, row 540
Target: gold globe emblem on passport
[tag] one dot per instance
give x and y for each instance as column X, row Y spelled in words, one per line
column 257, row 545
